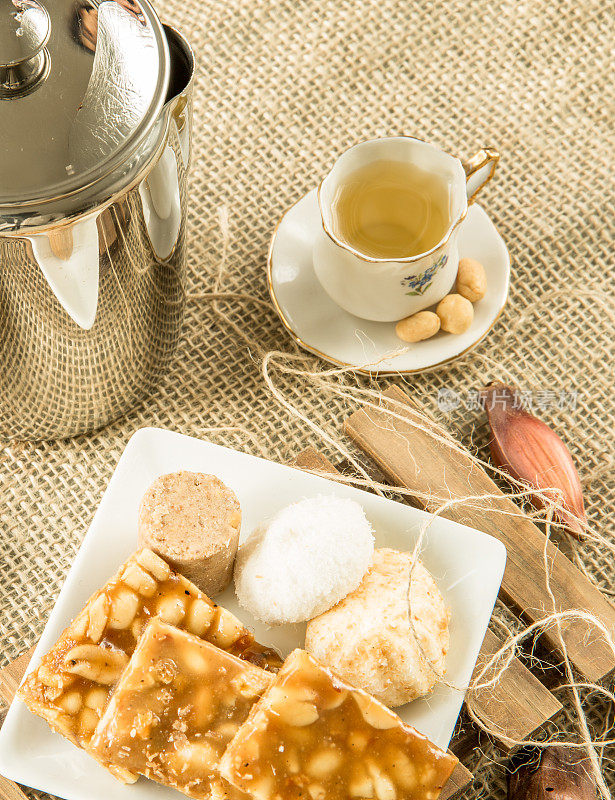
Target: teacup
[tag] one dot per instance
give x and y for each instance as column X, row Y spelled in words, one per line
column 389, row 289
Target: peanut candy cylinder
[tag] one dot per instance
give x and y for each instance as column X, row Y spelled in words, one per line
column 314, row 737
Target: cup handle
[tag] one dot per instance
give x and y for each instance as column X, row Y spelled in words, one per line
column 479, row 170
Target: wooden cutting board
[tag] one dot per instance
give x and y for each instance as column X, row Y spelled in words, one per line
column 413, row 458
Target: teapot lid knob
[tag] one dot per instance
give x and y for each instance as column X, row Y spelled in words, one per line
column 24, row 31
column 85, row 83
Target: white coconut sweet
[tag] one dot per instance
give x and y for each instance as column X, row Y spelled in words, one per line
column 304, row 561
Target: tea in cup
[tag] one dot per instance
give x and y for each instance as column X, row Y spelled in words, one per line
column 391, row 210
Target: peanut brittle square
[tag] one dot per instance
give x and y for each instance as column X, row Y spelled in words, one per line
column 72, row 686
column 314, row 737
column 178, row 704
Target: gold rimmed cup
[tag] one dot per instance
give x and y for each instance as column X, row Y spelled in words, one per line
column 388, row 289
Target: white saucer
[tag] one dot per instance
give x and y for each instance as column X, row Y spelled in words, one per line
column 322, row 327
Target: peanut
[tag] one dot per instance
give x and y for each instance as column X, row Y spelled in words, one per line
column 291, row 761
column 154, row 564
column 137, row 627
column 226, row 630
column 384, row 786
column 227, row 730
column 262, row 789
column 122, row 774
column 279, row 695
column 62, row 723
column 375, row 714
column 418, row 327
column 471, row 280
column 323, row 763
column 71, row 702
column 334, row 699
column 124, row 607
column 456, row 313
column 402, row 768
column 360, row 783
column 142, row 724
column 97, row 699
column 97, row 618
column 251, row 750
column 203, row 707
column 295, row 713
column 95, row 663
column 88, row 720
column 199, row 617
column 196, row 662
column 139, row 580
column 248, row 684
column 171, row 609
column 196, row 755
column 53, row 680
column 79, row 626
column 357, row 741
column 51, row 695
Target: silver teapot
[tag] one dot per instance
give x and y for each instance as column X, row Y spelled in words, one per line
column 95, row 119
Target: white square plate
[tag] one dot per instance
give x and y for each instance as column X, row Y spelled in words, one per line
column 467, row 565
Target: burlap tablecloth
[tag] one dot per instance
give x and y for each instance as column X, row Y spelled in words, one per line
column 283, row 87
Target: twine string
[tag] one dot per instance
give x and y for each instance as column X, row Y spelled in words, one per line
column 338, row 382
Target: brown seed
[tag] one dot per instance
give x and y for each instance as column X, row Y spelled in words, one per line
column 532, row 453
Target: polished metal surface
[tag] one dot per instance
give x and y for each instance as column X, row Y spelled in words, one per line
column 91, row 303
column 24, row 32
column 106, row 75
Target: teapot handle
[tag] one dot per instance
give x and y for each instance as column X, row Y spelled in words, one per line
column 68, row 258
column 479, row 170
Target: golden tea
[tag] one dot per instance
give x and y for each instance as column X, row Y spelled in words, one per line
column 392, row 209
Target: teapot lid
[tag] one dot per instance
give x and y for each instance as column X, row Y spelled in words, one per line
column 81, row 85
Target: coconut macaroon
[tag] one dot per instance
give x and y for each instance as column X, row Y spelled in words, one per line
column 192, row 520
column 367, row 637
column 305, row 560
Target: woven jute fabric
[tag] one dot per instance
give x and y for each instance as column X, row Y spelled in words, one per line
column 282, row 88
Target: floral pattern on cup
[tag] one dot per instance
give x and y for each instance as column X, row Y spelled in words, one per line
column 418, row 284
